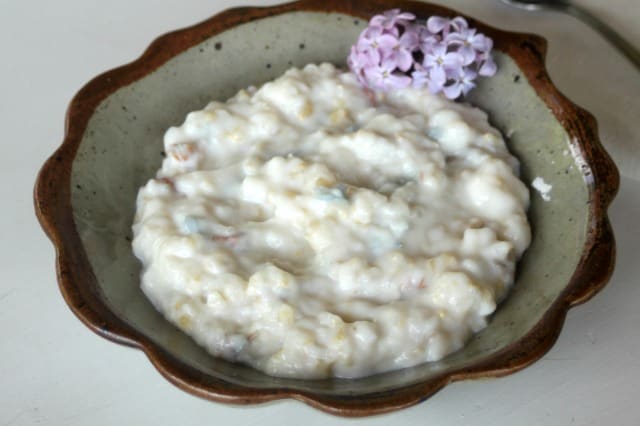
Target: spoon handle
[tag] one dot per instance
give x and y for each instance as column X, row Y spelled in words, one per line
column 614, row 38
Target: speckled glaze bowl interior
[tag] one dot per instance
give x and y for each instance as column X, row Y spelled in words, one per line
column 85, row 196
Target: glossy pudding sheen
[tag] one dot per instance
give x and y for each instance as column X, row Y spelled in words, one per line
column 311, row 228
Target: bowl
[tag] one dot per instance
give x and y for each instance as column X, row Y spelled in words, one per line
column 85, row 197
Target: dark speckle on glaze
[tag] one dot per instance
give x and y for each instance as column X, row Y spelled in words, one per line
column 218, row 46
column 516, row 78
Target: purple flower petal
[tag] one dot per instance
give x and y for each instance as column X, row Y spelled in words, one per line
column 437, row 80
column 427, row 42
column 370, row 35
column 364, row 55
column 352, row 58
column 461, row 84
column 391, row 18
column 488, row 67
column 398, row 51
column 398, row 81
column 374, row 77
column 406, row 16
column 468, row 43
column 438, row 57
column 410, row 39
column 438, row 75
column 386, row 42
column 435, row 24
column 420, row 77
column 459, row 23
column 482, row 43
column 452, row 60
column 376, row 39
column 404, row 60
column 467, row 54
column 452, row 91
column 382, row 77
column 401, row 52
column 434, row 79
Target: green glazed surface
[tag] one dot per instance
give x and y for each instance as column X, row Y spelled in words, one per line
column 122, row 149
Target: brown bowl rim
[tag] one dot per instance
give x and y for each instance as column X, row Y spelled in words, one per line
column 78, row 283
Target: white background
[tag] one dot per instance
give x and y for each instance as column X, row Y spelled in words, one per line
column 54, row 371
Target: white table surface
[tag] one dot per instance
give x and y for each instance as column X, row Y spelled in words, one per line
column 54, row 371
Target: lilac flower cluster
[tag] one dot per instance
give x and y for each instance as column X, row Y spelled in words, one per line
column 444, row 55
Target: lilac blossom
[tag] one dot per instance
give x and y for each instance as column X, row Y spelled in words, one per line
column 470, row 43
column 461, row 84
column 440, row 63
column 427, row 40
column 434, row 81
column 420, row 76
column 383, row 77
column 401, row 53
column 391, row 18
column 486, row 65
column 357, row 62
column 442, row 55
column 438, row 24
column 376, row 40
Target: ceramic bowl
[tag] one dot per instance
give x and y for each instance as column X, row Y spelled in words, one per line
column 85, row 196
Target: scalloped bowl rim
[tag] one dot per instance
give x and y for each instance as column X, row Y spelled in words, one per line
column 53, row 208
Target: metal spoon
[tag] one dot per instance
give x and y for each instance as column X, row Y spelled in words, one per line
column 572, row 9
